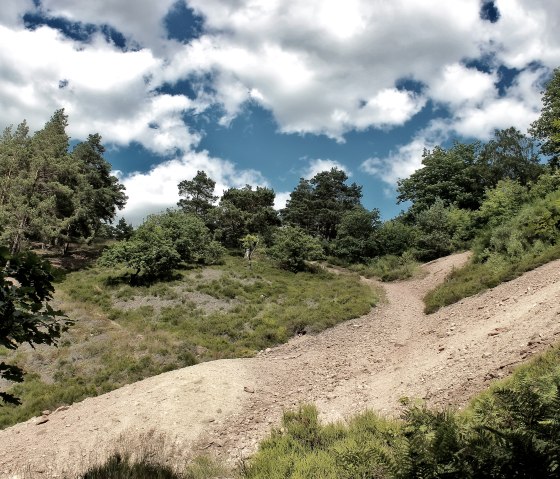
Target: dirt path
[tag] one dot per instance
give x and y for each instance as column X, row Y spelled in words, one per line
column 227, row 406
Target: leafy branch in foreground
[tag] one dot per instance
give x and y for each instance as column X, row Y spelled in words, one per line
column 26, row 316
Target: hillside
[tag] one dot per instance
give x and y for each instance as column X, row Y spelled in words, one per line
column 227, row 406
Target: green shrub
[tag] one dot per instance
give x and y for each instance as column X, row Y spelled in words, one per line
column 389, row 267
column 292, row 247
column 123, row 467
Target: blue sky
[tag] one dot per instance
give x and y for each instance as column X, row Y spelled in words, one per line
column 264, row 92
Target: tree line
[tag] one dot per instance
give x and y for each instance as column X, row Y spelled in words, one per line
column 462, row 193
column 51, row 194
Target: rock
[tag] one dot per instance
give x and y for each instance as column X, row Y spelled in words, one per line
column 46, row 412
column 441, row 348
column 41, row 420
column 62, row 408
column 249, row 389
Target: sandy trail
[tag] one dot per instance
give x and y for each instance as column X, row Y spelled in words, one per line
column 227, row 406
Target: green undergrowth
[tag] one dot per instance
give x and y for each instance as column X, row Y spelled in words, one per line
column 385, row 268
column 476, row 277
column 126, row 333
column 125, row 466
column 510, row 431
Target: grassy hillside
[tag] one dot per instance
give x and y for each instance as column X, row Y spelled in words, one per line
column 126, row 333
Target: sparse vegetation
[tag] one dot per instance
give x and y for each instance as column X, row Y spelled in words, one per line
column 509, row 247
column 513, row 430
column 125, row 333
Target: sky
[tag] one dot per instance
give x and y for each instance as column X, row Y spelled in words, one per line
column 265, row 92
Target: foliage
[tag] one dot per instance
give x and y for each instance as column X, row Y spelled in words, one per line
column 435, row 233
column 161, row 243
column 25, row 291
column 124, row 467
column 292, row 247
column 395, row 236
column 459, row 176
column 123, row 230
column 244, row 211
column 50, row 195
column 452, row 176
column 153, row 464
column 250, row 244
column 518, row 244
column 318, row 205
column 547, row 127
column 150, row 253
column 502, row 202
column 389, row 267
column 304, row 448
column 97, row 194
column 355, row 240
column 198, row 194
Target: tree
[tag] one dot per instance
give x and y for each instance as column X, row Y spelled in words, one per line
column 293, row 247
column 97, row 193
column 123, row 230
column 162, row 243
column 546, row 128
column 502, row 202
column 198, row 194
column 435, row 232
column 394, row 237
column 452, row 175
column 244, row 211
column 25, row 314
column 250, row 244
column 39, row 197
column 355, row 237
column 50, row 195
column 509, row 155
column 317, row 205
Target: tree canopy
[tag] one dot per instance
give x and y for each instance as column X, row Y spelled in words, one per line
column 198, row 194
column 318, row 205
column 49, row 194
column 547, row 127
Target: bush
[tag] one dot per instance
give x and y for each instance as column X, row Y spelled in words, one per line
column 293, row 247
column 161, row 243
column 389, row 267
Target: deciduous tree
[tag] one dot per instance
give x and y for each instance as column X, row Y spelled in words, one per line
column 547, row 127
column 25, row 314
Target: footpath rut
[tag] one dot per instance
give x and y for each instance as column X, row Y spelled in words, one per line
column 226, row 407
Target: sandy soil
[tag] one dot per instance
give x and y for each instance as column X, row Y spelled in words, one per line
column 226, row 407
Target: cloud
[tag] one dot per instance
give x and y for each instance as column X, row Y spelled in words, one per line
column 156, row 190
column 12, row 11
column 318, row 165
column 102, row 88
column 321, row 67
column 527, row 32
column 326, row 69
column 407, row 158
column 281, row 199
column 458, row 85
column 478, row 116
column 141, row 21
